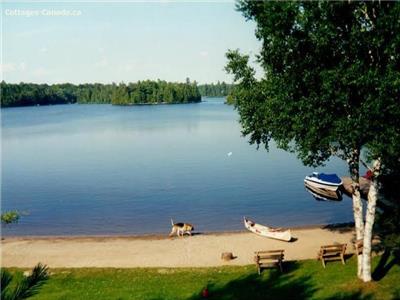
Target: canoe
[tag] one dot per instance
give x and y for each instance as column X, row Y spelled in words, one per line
column 324, row 181
column 269, row 232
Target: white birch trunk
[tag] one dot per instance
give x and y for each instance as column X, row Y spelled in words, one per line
column 354, row 169
column 359, row 224
column 369, row 223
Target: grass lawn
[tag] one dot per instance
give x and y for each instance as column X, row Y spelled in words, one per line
column 301, row 280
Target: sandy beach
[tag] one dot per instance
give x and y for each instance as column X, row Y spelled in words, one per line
column 202, row 250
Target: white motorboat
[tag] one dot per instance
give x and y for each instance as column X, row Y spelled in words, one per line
column 324, row 181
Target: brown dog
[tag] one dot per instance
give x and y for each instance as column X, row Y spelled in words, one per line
column 181, row 228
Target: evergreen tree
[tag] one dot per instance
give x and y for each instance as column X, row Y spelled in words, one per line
column 141, row 92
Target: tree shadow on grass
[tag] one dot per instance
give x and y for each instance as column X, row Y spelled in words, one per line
column 273, row 284
column 359, row 295
column 396, row 295
column 270, row 285
column 386, row 262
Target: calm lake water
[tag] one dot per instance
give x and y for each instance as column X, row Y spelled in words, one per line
column 102, row 169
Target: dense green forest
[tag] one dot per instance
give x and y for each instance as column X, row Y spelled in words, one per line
column 141, row 92
column 219, row 89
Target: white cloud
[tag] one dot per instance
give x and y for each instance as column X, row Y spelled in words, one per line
column 127, row 67
column 43, row 49
column 12, row 67
column 22, row 66
column 203, row 53
column 34, row 32
column 8, row 67
column 40, row 72
column 102, row 63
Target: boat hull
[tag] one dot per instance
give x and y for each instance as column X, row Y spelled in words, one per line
column 269, row 232
column 323, row 194
column 322, row 185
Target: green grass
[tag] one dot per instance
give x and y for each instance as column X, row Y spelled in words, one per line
column 301, row 280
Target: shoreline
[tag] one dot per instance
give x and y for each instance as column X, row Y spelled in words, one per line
column 160, row 236
column 199, row 250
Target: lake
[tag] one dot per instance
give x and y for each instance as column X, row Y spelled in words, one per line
column 102, row 169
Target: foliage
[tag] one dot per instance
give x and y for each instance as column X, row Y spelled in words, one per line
column 331, row 80
column 10, row 217
column 142, row 92
column 387, row 224
column 230, row 100
column 220, row 89
column 26, row 286
column 6, row 279
column 302, row 280
column 331, row 87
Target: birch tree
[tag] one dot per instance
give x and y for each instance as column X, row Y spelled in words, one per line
column 385, row 154
column 330, row 85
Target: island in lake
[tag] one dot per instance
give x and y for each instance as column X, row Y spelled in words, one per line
column 141, row 92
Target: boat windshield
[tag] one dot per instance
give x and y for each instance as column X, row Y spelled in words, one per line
column 329, row 178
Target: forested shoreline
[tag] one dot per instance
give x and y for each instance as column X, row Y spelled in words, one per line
column 141, row 92
column 219, row 89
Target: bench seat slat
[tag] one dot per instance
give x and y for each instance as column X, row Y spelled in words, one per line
column 267, row 261
column 270, row 252
column 278, row 256
column 333, row 250
column 334, row 246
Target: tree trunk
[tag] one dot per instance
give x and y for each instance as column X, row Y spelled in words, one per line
column 354, row 166
column 359, row 224
column 369, row 223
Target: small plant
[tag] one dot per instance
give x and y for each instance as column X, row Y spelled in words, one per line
column 10, row 217
column 26, row 287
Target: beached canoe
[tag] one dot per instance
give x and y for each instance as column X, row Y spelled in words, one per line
column 273, row 233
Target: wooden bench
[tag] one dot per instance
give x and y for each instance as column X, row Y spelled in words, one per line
column 332, row 252
column 359, row 245
column 271, row 258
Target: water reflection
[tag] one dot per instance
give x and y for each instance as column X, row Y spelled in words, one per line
column 323, row 194
column 100, row 169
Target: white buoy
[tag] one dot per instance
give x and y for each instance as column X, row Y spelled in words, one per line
column 229, row 153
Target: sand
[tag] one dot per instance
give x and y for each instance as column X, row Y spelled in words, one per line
column 202, row 250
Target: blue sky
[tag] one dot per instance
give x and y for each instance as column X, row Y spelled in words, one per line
column 121, row 41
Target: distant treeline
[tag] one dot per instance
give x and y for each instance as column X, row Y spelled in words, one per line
column 220, row 89
column 141, row 92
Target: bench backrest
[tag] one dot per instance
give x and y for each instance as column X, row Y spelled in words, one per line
column 359, row 245
column 268, row 256
column 331, row 249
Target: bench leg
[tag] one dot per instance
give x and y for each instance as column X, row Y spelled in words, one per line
column 323, row 262
column 342, row 257
column 280, row 266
